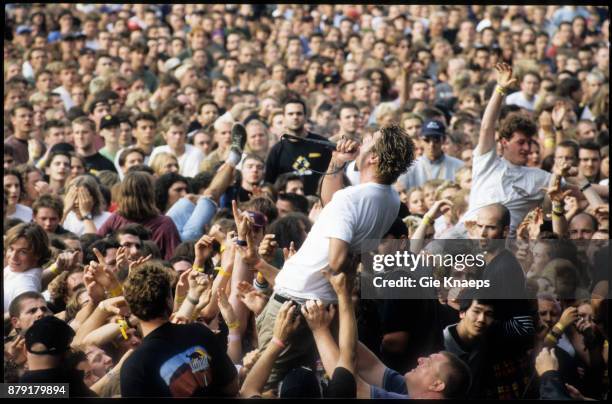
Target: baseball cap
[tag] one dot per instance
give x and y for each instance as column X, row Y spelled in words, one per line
column 433, row 127
column 109, row 121
column 23, row 29
column 259, row 220
column 87, row 50
column 300, row 383
column 55, row 334
column 328, row 79
column 62, row 147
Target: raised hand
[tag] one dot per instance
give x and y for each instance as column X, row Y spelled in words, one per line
column 139, row 261
column 42, row 188
column 86, row 201
column 203, row 249
column 182, row 285
column 568, row 317
column 339, row 283
column 346, row 150
column 250, row 255
column 226, row 310
column 242, row 219
column 67, row 260
column 198, row 283
column 70, row 200
column 555, row 193
column 116, row 306
column 94, row 290
column 546, row 360
column 439, row 208
column 289, row 252
column 504, row 76
column 254, row 300
column 121, row 258
column 558, row 114
column 267, row 247
column 286, row 323
column 316, row 315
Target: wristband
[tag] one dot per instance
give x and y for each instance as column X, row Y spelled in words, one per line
column 500, row 90
column 192, row 300
column 278, row 342
column 223, row 272
column 427, row 220
column 198, row 268
column 233, row 337
column 551, row 338
column 180, row 300
column 549, row 143
column 559, row 327
column 241, row 243
column 222, row 249
column 53, row 268
column 233, row 325
column 123, row 326
column 585, row 187
column 118, row 291
column 558, row 213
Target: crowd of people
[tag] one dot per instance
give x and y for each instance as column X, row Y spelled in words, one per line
column 189, row 189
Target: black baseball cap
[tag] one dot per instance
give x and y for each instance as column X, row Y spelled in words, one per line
column 433, row 127
column 56, row 335
column 62, row 147
column 109, row 121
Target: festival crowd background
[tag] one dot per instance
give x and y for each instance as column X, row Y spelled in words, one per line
column 124, row 150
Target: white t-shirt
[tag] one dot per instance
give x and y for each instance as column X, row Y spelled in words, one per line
column 66, row 98
column 352, row 173
column 357, row 215
column 75, row 225
column 16, row 283
column 496, row 180
column 518, row 98
column 22, row 212
column 189, row 162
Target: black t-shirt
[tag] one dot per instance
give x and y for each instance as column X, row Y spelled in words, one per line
column 299, row 157
column 507, row 280
column 98, row 162
column 59, row 375
column 177, row 361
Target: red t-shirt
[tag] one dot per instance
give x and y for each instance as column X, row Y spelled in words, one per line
column 163, row 231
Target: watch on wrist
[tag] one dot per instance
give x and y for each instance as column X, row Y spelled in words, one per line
column 88, row 216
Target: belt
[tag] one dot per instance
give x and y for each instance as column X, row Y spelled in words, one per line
column 282, row 299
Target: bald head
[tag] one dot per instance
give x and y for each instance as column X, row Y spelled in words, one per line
column 582, row 227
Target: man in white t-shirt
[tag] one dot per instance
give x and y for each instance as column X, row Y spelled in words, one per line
column 527, row 97
column 505, row 179
column 350, row 222
column 174, row 129
column 28, row 248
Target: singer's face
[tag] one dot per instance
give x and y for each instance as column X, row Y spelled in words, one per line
column 294, row 117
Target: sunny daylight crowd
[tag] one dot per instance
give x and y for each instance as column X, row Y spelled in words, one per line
column 189, row 190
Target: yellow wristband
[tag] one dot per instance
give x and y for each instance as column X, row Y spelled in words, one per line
column 551, row 338
column 118, row 291
column 223, row 272
column 427, row 220
column 53, row 268
column 233, row 325
column 180, row 299
column 123, row 326
column 500, row 90
column 559, row 327
column 549, row 143
column 222, row 249
column 198, row 268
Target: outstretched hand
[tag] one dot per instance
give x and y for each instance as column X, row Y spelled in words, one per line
column 286, row 322
column 504, row 76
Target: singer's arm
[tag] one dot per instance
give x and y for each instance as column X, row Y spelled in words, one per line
column 346, row 150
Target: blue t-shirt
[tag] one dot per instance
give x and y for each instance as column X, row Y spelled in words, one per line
column 393, row 386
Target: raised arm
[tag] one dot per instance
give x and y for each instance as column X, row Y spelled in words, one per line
column 346, row 150
column 347, row 338
column 418, row 238
column 285, row 324
column 486, row 139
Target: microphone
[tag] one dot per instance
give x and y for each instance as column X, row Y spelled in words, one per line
column 325, row 143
